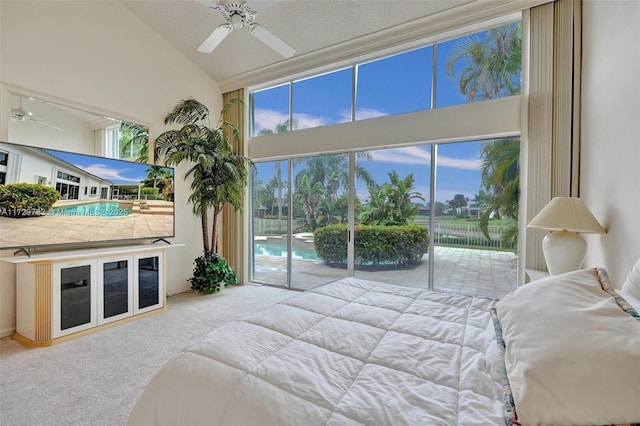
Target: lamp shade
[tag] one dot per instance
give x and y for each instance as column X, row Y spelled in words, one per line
column 566, row 214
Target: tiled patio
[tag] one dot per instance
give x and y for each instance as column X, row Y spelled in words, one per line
column 484, row 273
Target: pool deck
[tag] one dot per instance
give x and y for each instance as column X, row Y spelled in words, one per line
column 484, row 273
column 59, row 229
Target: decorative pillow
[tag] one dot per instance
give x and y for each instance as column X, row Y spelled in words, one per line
column 632, row 284
column 572, row 355
column 635, row 303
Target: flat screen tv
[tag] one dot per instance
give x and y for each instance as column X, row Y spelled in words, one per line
column 96, row 199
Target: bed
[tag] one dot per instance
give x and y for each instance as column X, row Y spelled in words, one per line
column 356, row 352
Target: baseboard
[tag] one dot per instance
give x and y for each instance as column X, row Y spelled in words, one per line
column 7, row 332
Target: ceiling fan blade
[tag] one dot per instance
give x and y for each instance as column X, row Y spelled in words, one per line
column 215, row 38
column 267, row 37
column 45, row 124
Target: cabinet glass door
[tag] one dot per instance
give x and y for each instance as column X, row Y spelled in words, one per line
column 74, row 298
column 115, row 290
column 148, row 295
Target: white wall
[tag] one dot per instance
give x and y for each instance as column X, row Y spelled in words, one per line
column 73, row 137
column 98, row 55
column 610, row 150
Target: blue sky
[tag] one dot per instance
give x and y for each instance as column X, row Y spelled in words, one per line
column 326, row 100
column 115, row 171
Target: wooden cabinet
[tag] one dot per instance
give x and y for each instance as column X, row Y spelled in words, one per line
column 64, row 294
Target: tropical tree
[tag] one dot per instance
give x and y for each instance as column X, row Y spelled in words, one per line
column 501, row 179
column 133, row 135
column 218, row 175
column 392, row 202
column 459, row 201
column 154, row 172
column 331, row 173
column 281, row 127
column 488, row 68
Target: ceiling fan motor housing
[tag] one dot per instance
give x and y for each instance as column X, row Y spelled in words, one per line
column 239, row 15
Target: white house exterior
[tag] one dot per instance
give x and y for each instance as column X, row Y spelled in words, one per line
column 21, row 164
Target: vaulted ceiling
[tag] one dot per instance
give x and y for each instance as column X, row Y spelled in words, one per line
column 306, row 25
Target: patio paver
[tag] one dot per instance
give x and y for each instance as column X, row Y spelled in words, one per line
column 472, row 272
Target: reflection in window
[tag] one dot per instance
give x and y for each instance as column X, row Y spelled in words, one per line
column 133, row 141
column 322, row 100
column 376, row 96
column 270, row 110
column 75, row 296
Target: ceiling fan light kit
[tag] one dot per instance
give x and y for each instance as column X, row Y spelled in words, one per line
column 238, row 15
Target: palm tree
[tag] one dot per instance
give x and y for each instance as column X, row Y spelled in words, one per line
column 135, row 135
column 218, row 176
column 501, row 179
column 489, row 67
column 392, row 202
column 329, row 172
column 154, row 172
column 280, row 128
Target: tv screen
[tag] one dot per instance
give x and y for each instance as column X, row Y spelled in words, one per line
column 50, row 197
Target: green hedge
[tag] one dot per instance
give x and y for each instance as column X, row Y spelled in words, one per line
column 26, row 199
column 375, row 246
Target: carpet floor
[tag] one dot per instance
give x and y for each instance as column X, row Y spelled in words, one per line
column 97, row 379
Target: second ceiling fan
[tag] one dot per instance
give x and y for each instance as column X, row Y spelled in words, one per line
column 238, row 15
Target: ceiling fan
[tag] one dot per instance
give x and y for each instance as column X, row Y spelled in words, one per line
column 21, row 114
column 238, row 15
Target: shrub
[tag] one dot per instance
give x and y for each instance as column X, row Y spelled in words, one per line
column 26, row 199
column 210, row 271
column 397, row 246
column 146, row 192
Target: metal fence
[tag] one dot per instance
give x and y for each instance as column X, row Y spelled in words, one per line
column 461, row 235
column 273, row 226
column 468, row 235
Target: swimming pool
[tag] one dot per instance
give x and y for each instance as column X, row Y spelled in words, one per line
column 280, row 250
column 99, row 209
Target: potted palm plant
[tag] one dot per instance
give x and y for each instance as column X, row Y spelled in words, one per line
column 218, row 176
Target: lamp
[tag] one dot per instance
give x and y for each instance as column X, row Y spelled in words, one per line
column 563, row 247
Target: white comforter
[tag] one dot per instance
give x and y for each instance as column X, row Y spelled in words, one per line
column 346, row 353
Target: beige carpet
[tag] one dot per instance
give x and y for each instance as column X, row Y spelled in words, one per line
column 97, row 379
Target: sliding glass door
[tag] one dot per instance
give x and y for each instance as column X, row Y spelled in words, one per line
column 391, row 238
column 442, row 216
column 270, row 221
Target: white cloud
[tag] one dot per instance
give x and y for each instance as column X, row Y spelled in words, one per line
column 362, row 114
column 306, row 121
column 109, row 174
column 365, row 113
column 268, row 119
column 421, row 155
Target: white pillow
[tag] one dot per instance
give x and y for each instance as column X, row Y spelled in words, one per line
column 632, row 283
column 572, row 353
column 635, row 303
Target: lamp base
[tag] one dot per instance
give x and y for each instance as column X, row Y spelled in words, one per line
column 563, row 251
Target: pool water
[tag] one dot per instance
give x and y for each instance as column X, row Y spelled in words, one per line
column 280, row 250
column 102, row 209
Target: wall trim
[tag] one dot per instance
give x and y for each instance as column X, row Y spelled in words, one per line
column 382, row 42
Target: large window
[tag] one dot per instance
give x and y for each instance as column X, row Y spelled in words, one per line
column 420, row 154
column 394, row 85
column 126, row 141
column 484, row 65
